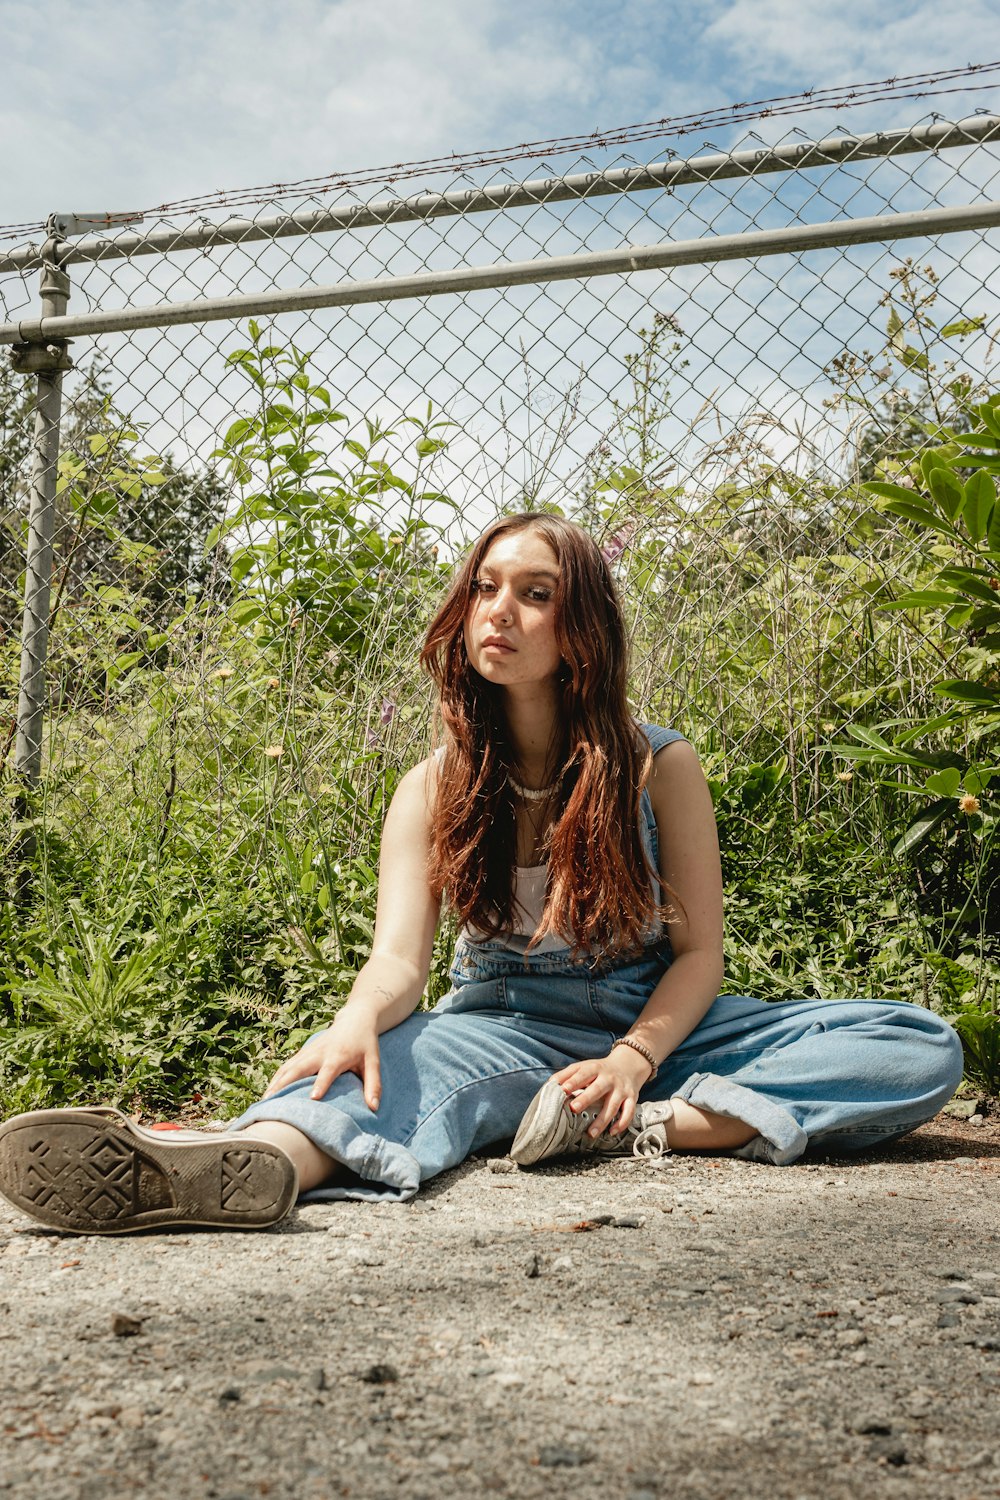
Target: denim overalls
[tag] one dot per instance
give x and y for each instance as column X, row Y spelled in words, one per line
column 840, row 1074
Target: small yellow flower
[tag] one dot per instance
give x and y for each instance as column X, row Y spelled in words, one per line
column 968, row 803
column 845, row 776
column 221, row 674
column 828, row 727
column 274, row 752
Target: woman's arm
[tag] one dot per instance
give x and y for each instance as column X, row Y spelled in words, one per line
column 690, row 865
column 389, row 986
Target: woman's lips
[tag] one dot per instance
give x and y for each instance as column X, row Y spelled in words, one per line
column 496, row 646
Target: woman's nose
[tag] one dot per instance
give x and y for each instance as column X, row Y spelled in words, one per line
column 501, row 606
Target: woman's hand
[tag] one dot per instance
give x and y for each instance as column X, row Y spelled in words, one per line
column 350, row 1045
column 615, row 1080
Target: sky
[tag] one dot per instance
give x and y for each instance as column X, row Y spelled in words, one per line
column 116, row 104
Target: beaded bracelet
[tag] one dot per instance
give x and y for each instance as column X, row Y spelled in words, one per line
column 630, row 1041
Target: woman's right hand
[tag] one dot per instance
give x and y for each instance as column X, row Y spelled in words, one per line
column 350, row 1045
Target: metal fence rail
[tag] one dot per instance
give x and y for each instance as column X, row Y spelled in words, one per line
column 234, row 536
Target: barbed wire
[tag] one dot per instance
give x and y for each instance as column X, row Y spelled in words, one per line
column 849, row 96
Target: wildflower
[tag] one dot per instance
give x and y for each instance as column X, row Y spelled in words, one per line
column 613, row 548
column 274, row 752
column 845, row 776
column 387, row 711
column 667, row 320
column 828, row 727
column 273, row 682
column 968, row 803
column 221, row 674
column 371, row 739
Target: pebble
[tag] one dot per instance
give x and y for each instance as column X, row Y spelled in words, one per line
column 889, row 1450
column 556, row 1456
column 961, row 1109
column 562, row 1263
column 358, row 1256
column 850, row 1338
column 534, row 1265
column 231, row 1393
column 870, row 1423
column 125, row 1325
column 503, row 1165
column 380, row 1375
column 948, row 1320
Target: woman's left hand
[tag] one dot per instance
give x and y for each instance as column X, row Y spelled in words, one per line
column 613, row 1082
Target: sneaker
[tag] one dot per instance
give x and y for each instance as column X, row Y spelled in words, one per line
column 94, row 1171
column 551, row 1128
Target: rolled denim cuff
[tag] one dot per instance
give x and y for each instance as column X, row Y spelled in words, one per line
column 781, row 1139
column 388, row 1172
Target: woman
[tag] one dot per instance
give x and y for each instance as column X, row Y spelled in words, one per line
column 584, row 1013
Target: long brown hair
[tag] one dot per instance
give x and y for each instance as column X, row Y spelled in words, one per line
column 598, row 887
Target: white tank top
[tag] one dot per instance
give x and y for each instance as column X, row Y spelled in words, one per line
column 529, row 902
column 529, row 899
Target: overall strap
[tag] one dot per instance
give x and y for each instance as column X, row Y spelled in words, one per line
column 658, row 736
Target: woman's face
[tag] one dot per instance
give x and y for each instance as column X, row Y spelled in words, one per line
column 513, row 602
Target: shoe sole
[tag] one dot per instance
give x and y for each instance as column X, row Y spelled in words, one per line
column 541, row 1127
column 96, row 1172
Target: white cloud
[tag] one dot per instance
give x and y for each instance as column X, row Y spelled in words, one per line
column 108, row 104
column 853, row 41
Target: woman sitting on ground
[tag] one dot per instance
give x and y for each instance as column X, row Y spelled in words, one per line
column 578, row 850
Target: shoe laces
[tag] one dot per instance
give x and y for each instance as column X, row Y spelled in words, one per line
column 647, row 1129
column 650, row 1126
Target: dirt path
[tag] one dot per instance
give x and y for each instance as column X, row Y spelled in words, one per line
column 706, row 1329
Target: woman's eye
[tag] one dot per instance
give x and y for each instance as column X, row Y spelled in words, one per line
column 487, row 586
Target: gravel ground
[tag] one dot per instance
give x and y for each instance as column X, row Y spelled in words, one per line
column 704, row 1328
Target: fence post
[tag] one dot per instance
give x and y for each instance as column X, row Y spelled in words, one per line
column 48, row 360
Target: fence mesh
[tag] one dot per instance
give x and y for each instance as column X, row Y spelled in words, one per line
column 255, row 521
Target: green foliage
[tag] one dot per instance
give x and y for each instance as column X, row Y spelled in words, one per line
column 232, row 712
column 304, row 535
column 979, row 1027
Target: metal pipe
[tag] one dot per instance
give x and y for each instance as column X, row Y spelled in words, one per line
column 762, row 242
column 657, row 175
column 49, row 361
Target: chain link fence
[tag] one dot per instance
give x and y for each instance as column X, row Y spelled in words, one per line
column 257, row 502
